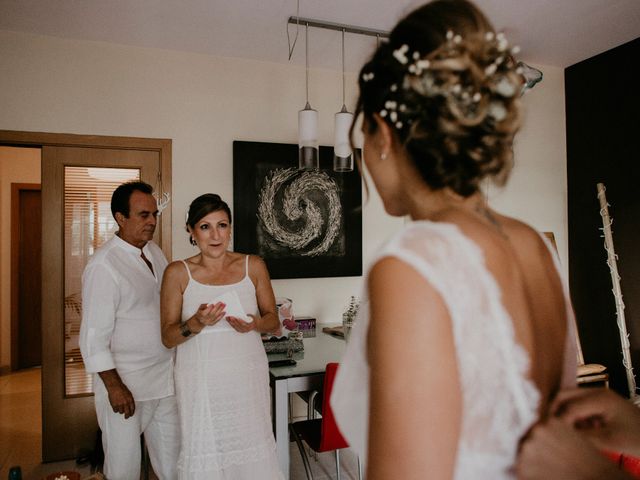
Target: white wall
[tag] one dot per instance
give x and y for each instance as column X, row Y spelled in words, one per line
column 17, row 165
column 204, row 103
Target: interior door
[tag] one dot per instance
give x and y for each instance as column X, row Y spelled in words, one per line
column 76, row 188
column 29, row 345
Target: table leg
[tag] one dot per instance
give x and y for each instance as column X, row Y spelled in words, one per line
column 281, row 424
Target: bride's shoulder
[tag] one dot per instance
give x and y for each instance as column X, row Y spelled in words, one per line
column 421, row 231
column 521, row 230
column 433, row 249
column 528, row 242
column 428, row 239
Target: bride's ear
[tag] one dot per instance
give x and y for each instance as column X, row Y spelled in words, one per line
column 384, row 134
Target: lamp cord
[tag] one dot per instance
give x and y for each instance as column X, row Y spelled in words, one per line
column 306, row 59
column 343, row 81
column 291, row 47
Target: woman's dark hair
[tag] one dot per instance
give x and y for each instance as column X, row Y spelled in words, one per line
column 122, row 194
column 448, row 87
column 203, row 206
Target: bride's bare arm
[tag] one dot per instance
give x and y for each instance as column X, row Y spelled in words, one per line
column 415, row 417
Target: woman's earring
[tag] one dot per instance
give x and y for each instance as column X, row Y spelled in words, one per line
column 383, row 156
column 192, row 241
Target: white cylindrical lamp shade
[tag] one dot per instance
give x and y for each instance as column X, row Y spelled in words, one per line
column 308, row 151
column 342, row 152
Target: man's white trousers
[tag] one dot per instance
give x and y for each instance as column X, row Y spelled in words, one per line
column 157, row 419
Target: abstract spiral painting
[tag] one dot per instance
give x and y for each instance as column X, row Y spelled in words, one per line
column 302, row 223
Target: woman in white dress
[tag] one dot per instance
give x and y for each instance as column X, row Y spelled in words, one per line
column 463, row 338
column 221, row 373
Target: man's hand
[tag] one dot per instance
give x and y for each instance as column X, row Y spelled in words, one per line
column 121, row 400
column 120, row 397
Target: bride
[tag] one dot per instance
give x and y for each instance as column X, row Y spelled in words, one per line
column 464, row 336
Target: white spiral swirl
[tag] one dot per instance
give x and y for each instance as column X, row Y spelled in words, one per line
column 298, row 204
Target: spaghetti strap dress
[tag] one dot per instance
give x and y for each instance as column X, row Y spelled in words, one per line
column 222, row 387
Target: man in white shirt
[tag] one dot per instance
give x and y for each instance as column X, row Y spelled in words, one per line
column 121, row 343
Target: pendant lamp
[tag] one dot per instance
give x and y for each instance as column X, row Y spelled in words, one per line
column 308, row 151
column 342, row 151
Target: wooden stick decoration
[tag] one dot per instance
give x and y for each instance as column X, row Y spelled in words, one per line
column 612, row 262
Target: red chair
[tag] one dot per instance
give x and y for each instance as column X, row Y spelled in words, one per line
column 322, row 434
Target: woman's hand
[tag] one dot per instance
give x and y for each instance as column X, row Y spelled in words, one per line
column 586, row 421
column 209, row 314
column 608, row 420
column 556, row 451
column 242, row 326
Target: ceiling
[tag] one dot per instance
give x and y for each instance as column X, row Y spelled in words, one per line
column 549, row 32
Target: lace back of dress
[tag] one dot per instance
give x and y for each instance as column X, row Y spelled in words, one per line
column 499, row 401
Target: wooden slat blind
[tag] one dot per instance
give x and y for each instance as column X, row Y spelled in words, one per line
column 88, row 223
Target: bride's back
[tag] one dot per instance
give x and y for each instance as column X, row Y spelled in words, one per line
column 532, row 293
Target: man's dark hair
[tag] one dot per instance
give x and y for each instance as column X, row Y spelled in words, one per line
column 122, row 194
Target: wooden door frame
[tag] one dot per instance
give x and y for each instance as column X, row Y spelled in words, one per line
column 51, row 376
column 16, row 188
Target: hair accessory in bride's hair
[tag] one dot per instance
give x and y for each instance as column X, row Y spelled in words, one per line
column 391, row 109
column 400, row 54
column 474, row 78
column 367, row 76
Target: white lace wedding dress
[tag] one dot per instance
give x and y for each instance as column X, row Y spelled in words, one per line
column 222, row 387
column 500, row 402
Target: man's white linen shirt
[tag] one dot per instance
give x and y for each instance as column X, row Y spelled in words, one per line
column 121, row 319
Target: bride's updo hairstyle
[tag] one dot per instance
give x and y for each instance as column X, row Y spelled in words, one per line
column 203, row 206
column 448, row 86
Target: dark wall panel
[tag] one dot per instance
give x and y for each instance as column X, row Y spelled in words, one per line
column 603, row 145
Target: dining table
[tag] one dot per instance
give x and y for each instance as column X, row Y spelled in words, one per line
column 306, row 375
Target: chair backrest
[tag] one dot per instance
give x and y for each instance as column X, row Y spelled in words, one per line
column 330, row 436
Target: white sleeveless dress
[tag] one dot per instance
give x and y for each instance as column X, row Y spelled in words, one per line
column 500, row 402
column 222, row 387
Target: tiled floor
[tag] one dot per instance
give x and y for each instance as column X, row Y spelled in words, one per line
column 20, row 427
column 20, row 437
column 325, row 467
